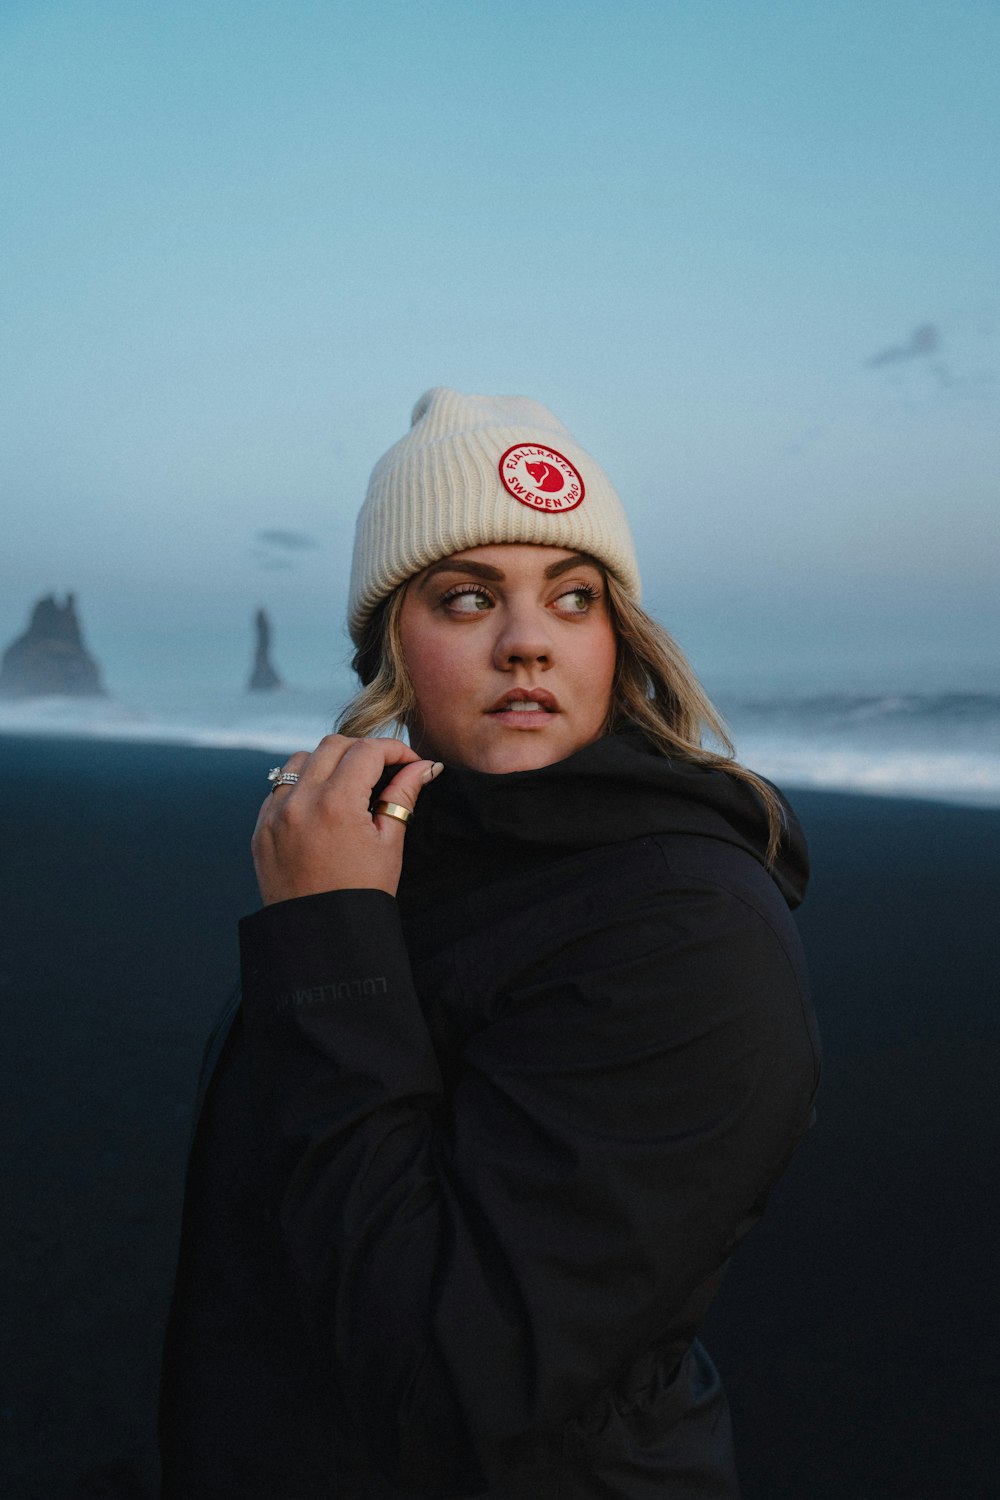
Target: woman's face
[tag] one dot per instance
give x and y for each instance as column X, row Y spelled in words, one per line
column 511, row 653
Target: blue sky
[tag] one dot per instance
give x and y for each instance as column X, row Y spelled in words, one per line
column 747, row 252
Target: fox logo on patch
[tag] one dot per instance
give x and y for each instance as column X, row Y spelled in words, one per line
column 541, row 478
column 546, row 477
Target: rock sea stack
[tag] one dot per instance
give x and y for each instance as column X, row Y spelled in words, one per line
column 50, row 659
column 263, row 677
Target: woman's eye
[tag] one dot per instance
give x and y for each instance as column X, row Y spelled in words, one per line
column 577, row 601
column 467, row 601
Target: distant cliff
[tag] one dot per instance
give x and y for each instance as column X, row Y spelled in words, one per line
column 50, row 658
column 263, row 677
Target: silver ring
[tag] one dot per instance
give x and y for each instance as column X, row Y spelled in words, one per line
column 277, row 777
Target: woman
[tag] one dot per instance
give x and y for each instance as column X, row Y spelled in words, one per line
column 524, row 1040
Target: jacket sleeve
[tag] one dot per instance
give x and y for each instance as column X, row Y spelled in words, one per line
column 478, row 1262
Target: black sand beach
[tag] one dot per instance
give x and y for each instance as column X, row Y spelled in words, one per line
column 856, row 1333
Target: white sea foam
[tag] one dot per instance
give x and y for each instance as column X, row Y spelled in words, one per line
column 945, row 776
column 940, row 745
column 290, row 720
column 945, row 746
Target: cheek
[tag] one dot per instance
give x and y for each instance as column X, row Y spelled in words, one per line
column 439, row 678
column 437, row 686
column 598, row 673
column 428, row 668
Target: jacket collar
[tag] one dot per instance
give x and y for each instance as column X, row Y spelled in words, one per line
column 616, row 789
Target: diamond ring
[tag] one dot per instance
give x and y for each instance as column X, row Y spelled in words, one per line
column 277, row 777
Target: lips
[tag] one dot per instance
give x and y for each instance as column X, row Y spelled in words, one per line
column 525, row 701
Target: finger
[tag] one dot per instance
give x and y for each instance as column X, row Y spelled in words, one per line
column 324, row 760
column 365, row 763
column 404, row 789
column 294, row 763
column 334, row 750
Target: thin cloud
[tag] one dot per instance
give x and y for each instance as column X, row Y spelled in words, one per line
column 289, row 541
column 922, row 341
column 279, row 550
column 938, row 379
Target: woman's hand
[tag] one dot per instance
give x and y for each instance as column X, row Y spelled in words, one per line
column 319, row 835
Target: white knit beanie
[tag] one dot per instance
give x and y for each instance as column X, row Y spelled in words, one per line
column 475, row 470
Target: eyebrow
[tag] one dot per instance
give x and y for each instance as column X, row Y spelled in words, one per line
column 496, row 575
column 579, row 559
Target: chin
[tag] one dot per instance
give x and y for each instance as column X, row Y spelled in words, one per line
column 525, row 752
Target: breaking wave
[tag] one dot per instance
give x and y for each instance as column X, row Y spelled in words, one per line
column 944, row 746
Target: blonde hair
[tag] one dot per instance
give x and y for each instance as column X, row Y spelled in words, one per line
column 654, row 690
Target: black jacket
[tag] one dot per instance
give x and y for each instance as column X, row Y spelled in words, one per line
column 471, row 1162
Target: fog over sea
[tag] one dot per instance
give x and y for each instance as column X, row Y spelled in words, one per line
column 903, row 737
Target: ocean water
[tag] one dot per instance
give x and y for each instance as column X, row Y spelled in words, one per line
column 944, row 746
column 939, row 745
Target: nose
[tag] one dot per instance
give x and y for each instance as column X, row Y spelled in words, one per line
column 523, row 639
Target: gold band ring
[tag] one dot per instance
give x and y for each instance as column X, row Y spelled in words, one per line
column 395, row 810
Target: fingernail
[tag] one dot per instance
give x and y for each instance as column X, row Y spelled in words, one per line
column 432, row 771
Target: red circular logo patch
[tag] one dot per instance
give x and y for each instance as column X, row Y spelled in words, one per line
column 541, row 477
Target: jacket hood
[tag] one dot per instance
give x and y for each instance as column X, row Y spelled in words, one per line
column 478, row 826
